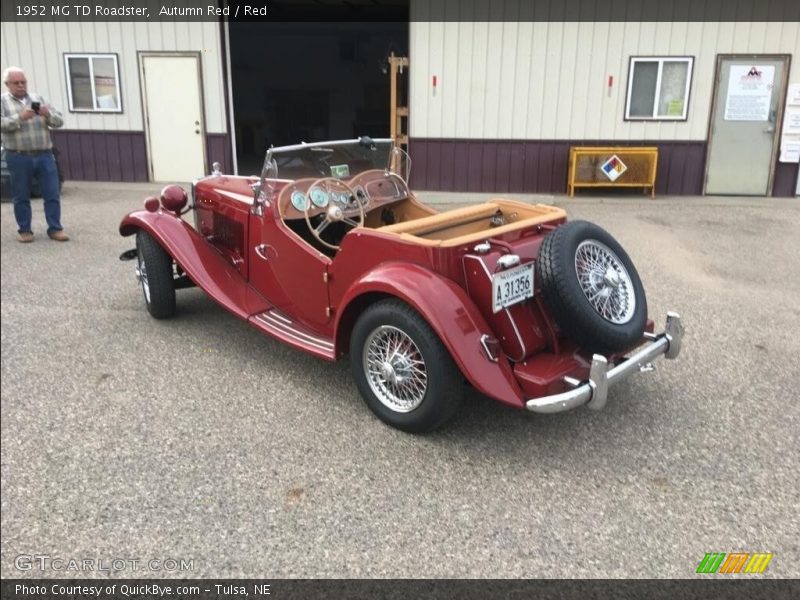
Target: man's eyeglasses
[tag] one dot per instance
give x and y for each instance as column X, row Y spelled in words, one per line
column 20, row 82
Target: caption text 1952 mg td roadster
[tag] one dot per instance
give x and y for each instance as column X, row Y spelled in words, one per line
column 330, row 252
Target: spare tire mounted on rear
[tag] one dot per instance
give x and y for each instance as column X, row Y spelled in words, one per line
column 592, row 288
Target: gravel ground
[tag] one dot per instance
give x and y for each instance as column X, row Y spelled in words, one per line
column 199, row 439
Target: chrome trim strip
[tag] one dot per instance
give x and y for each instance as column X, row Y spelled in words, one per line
column 486, row 349
column 281, row 316
column 302, row 145
column 519, row 336
column 235, row 195
column 594, row 391
column 279, row 323
column 248, row 177
column 304, row 338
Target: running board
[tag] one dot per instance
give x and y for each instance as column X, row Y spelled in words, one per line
column 278, row 325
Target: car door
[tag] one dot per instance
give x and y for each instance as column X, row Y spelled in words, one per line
column 287, row 271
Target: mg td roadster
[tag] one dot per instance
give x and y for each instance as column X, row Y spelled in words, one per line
column 329, row 251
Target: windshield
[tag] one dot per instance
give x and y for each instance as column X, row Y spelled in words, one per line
column 341, row 159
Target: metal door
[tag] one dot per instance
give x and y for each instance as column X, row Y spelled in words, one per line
column 743, row 137
column 173, row 116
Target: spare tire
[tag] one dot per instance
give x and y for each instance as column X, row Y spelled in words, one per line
column 591, row 287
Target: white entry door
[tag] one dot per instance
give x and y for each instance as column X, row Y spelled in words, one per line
column 745, row 125
column 173, row 116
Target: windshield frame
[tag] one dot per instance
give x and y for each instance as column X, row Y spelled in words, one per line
column 270, row 171
column 273, row 152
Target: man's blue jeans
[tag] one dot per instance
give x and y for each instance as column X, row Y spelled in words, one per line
column 23, row 168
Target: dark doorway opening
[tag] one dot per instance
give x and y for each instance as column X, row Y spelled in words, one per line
column 309, row 81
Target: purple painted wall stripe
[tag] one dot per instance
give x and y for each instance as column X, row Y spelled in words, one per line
column 786, row 175
column 540, row 166
column 533, row 166
column 121, row 155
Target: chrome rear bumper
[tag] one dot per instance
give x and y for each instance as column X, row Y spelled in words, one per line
column 594, row 391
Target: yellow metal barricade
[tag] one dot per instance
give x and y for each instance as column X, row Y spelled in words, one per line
column 612, row 166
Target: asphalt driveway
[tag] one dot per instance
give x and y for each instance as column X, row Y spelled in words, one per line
column 200, row 441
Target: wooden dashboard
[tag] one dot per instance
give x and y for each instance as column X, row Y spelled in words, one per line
column 373, row 189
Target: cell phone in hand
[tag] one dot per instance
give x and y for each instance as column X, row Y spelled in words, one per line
column 35, row 106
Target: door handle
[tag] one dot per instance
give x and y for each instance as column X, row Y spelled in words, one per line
column 261, row 250
column 769, row 130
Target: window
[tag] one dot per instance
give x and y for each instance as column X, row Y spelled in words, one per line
column 93, row 82
column 658, row 88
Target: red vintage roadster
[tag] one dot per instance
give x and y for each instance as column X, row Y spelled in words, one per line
column 330, row 252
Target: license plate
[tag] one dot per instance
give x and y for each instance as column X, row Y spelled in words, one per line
column 512, row 286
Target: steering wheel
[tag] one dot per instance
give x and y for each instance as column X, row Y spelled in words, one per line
column 334, row 213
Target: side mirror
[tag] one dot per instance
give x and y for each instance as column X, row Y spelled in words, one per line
column 367, row 142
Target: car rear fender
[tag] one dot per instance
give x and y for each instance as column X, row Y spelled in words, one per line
column 206, row 267
column 447, row 309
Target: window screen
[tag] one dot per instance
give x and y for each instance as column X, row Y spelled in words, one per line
column 93, row 82
column 658, row 88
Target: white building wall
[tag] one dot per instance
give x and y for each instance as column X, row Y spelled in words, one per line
column 39, row 48
column 543, row 80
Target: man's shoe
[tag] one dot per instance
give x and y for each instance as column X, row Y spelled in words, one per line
column 26, row 237
column 58, row 236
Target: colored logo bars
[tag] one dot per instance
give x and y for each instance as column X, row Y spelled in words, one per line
column 736, row 562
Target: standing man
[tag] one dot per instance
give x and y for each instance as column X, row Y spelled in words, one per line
column 27, row 121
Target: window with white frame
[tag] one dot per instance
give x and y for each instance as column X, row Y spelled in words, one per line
column 93, row 82
column 658, row 88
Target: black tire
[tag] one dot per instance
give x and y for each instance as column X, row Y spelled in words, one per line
column 434, row 401
column 576, row 316
column 155, row 275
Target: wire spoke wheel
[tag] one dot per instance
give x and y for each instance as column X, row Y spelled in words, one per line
column 592, row 288
column 141, row 275
column 395, row 369
column 605, row 282
column 403, row 371
column 156, row 274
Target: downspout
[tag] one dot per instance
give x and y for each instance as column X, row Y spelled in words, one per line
column 228, row 79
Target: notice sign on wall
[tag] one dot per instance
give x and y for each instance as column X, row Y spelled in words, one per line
column 790, row 136
column 749, row 92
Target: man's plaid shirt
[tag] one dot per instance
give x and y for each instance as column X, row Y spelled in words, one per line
column 33, row 134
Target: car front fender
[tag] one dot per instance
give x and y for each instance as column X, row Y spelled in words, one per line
column 206, row 267
column 450, row 313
